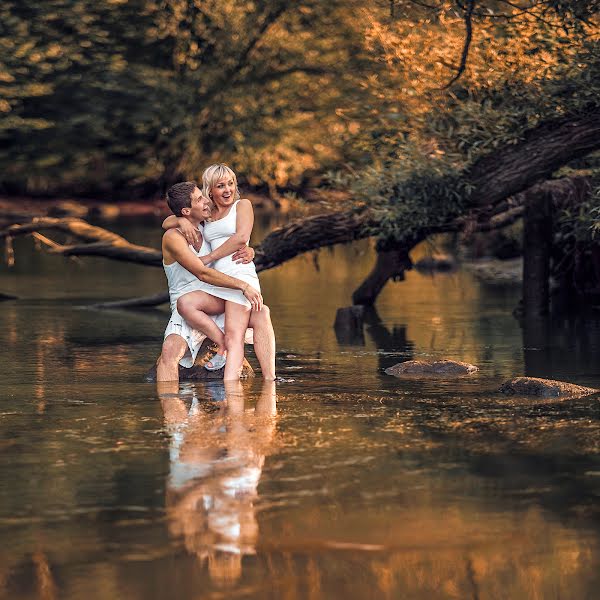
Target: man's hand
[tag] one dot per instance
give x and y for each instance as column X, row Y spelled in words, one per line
column 191, row 234
column 244, row 255
column 254, row 296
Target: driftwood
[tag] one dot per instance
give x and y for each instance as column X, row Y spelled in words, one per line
column 97, row 241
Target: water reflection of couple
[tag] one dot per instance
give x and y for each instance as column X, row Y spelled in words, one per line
column 217, row 452
column 212, row 225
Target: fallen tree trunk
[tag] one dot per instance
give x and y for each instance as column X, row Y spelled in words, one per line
column 97, row 241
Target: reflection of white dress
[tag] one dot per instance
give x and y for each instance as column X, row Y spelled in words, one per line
column 226, row 483
column 216, row 233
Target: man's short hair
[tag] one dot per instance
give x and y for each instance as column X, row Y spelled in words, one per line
column 179, row 196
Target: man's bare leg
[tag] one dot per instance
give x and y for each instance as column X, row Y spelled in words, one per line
column 264, row 341
column 173, row 350
column 196, row 308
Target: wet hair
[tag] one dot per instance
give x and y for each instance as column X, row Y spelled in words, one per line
column 179, row 196
column 213, row 174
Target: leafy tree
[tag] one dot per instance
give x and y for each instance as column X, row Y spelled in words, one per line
column 457, row 80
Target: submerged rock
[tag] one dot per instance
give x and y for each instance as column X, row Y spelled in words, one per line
column 497, row 271
column 199, row 373
column 348, row 325
column 436, row 367
column 535, row 386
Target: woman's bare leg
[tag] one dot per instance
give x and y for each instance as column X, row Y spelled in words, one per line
column 236, row 323
column 195, row 308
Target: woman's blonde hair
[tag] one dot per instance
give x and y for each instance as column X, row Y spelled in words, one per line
column 215, row 173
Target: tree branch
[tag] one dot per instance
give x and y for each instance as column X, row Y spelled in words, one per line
column 468, row 19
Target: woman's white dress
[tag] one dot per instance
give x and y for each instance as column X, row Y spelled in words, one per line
column 216, row 233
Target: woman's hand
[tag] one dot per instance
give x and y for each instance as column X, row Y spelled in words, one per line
column 254, row 296
column 244, row 255
column 191, row 233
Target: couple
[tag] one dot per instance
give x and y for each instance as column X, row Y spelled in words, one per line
column 222, row 302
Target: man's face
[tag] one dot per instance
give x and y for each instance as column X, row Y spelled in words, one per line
column 200, row 208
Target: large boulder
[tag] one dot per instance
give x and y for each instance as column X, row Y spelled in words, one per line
column 535, row 386
column 427, row 367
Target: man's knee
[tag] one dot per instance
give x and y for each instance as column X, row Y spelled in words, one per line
column 173, row 350
column 261, row 318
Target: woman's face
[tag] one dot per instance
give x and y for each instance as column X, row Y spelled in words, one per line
column 223, row 192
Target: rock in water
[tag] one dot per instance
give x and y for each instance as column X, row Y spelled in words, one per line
column 427, row 367
column 535, row 386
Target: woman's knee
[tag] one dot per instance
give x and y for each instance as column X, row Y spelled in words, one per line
column 183, row 304
column 233, row 338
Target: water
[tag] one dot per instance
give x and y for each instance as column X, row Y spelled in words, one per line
column 337, row 482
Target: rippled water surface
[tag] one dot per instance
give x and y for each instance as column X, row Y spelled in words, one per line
column 337, row 482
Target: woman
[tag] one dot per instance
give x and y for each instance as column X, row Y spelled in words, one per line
column 229, row 228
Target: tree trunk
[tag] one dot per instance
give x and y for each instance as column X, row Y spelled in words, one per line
column 389, row 264
column 537, row 249
column 544, row 149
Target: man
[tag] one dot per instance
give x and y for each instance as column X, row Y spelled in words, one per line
column 185, row 273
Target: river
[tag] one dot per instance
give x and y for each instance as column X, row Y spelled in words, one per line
column 336, row 482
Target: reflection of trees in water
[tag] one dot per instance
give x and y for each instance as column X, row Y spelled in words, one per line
column 217, row 452
column 393, row 340
column 561, row 346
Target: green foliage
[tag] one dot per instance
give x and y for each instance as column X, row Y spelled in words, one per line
column 416, row 136
column 581, row 224
column 406, row 203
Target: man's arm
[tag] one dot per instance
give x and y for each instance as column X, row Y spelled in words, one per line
column 243, row 254
column 175, row 247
